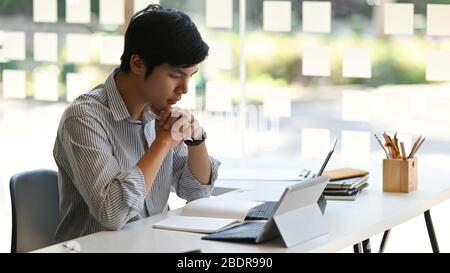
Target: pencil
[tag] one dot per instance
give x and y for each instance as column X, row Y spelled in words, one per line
column 418, row 146
column 382, row 146
column 403, row 150
column 414, row 147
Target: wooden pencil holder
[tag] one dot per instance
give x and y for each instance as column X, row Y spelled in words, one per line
column 400, row 175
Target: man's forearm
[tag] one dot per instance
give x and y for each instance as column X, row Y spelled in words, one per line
column 199, row 163
column 152, row 160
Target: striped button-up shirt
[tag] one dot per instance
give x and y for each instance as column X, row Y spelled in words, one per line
column 97, row 147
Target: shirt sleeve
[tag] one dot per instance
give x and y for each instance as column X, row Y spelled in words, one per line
column 184, row 182
column 114, row 196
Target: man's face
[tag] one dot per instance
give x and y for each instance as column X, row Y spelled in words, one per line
column 166, row 84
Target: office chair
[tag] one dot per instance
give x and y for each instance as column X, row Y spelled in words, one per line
column 35, row 209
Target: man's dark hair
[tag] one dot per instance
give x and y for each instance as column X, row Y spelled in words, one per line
column 163, row 36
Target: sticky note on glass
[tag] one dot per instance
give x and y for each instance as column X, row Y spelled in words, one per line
column 46, row 85
column 438, row 66
column 218, row 97
column 277, row 16
column 419, row 104
column 356, row 106
column 112, row 12
column 399, row 18
column 78, row 11
column 78, row 48
column 189, row 100
column 45, row 47
column 315, row 142
column 14, row 82
column 45, row 11
column 357, row 63
column 316, row 61
column 220, row 55
column 112, row 49
column 316, row 16
column 142, row 4
column 2, row 58
column 355, row 145
column 76, row 85
column 219, row 14
column 438, row 19
column 14, row 45
column 277, row 104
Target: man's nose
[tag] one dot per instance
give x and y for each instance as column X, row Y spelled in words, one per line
column 184, row 86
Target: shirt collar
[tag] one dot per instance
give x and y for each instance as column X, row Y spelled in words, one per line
column 117, row 105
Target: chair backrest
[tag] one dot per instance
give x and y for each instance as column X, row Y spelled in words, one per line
column 35, row 209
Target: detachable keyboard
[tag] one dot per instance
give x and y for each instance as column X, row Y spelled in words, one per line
column 248, row 231
column 262, row 212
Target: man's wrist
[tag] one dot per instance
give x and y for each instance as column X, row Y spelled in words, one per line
column 161, row 143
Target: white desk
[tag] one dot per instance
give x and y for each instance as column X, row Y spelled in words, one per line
column 350, row 222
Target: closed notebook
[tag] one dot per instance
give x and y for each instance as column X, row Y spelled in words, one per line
column 344, row 192
column 208, row 215
column 344, row 173
column 351, row 197
column 348, row 183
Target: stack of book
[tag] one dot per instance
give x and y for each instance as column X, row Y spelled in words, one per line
column 345, row 184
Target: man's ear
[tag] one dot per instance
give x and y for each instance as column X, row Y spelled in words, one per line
column 137, row 65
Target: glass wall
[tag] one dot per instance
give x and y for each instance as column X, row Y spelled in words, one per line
column 282, row 79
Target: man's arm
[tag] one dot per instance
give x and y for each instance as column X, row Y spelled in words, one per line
column 153, row 158
column 113, row 195
column 200, row 163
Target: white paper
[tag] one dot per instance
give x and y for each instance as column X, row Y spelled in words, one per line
column 277, row 16
column 112, row 12
column 316, row 61
column 255, row 194
column 219, row 208
column 111, row 50
column 219, row 14
column 76, row 85
column 78, row 11
column 438, row 19
column 357, row 63
column 277, row 104
column 399, row 18
column 45, row 47
column 355, row 145
column 438, row 66
column 356, row 105
column 220, row 55
column 316, row 16
column 46, row 85
column 14, row 82
column 218, row 97
column 142, row 4
column 195, row 224
column 78, row 48
column 14, row 45
column 45, row 11
column 315, row 142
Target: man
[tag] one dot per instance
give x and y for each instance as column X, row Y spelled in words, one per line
column 120, row 147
